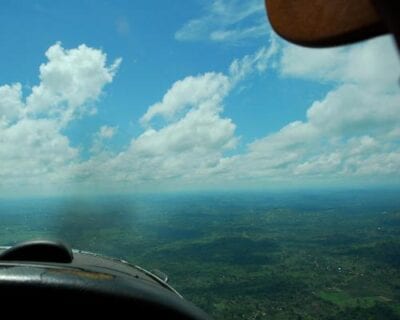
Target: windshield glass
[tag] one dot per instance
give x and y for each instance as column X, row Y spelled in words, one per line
column 187, row 137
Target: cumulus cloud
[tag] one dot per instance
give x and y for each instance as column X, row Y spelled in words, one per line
column 194, row 135
column 11, row 105
column 351, row 133
column 226, row 21
column 192, row 138
column 207, row 91
column 351, row 109
column 181, row 149
column 347, row 134
column 34, row 149
column 69, row 81
column 373, row 64
column 191, row 92
column 365, row 98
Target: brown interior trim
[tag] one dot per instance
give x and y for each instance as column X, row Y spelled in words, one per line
column 324, row 23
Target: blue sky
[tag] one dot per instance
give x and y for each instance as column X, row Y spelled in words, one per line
column 175, row 95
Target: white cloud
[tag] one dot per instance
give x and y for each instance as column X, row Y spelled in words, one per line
column 11, row 105
column 350, row 109
column 69, row 81
column 207, row 90
column 200, row 129
column 373, row 64
column 191, row 92
column 192, row 139
column 193, row 136
column 34, row 150
column 182, row 148
column 227, row 21
column 274, row 156
column 366, row 97
column 350, row 133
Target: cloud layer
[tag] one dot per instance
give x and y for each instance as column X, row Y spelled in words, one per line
column 351, row 134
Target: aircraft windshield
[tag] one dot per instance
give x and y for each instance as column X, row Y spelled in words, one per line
column 186, row 136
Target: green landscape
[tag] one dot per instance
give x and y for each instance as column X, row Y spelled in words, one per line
column 249, row 255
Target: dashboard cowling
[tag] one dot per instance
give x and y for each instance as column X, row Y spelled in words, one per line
column 92, row 282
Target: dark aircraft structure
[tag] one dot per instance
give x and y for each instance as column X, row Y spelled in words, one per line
column 51, row 276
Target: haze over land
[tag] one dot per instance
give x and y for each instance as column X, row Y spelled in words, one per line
column 308, row 255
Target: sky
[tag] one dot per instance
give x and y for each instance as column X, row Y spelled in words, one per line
column 137, row 96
